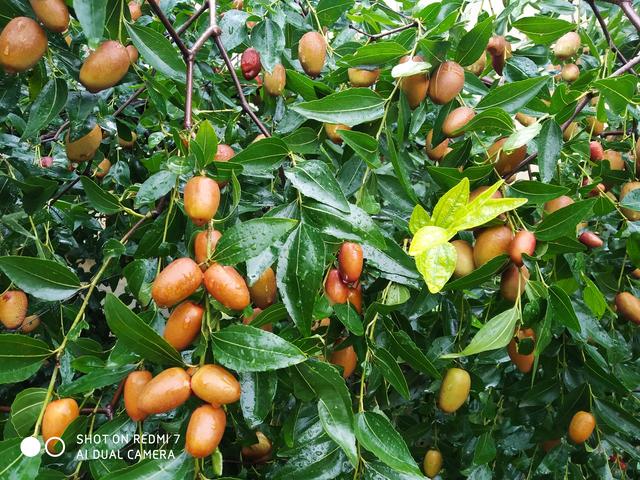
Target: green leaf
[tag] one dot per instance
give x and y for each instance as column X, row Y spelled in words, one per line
column 248, row 239
column 262, row 156
column 268, row 39
column 313, row 179
column 349, row 318
column 485, row 449
column 155, row 187
column 92, row 15
column 426, row 238
column 549, row 144
column 207, row 142
column 329, row 11
column 536, row 192
column 562, row 308
column 350, row 107
column 20, row 357
column 234, row 28
column 305, row 140
column 511, row 97
column 631, row 200
column 448, row 206
column 593, row 298
column 390, row 370
column 43, row 279
column 97, row 378
column 473, row 43
column 543, row 29
column 36, row 191
column 410, row 353
column 158, row 51
column 495, row 334
column 258, row 390
column 400, row 169
column 617, row 418
column 491, row 120
column 618, row 91
column 365, row 146
column 14, row 465
column 102, row 201
column 480, row 275
column 26, row 408
column 522, row 137
column 178, row 466
column 564, row 221
column 379, row 471
column 133, row 332
column 377, row 53
column 419, row 218
column 436, row 265
column 50, row 102
column 248, row 349
column 376, row 434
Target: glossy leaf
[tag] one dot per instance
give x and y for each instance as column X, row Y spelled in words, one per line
column 43, row 279
column 350, row 107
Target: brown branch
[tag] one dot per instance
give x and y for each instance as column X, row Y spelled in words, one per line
column 71, row 184
column 631, row 14
column 377, row 36
column 605, row 31
column 175, row 36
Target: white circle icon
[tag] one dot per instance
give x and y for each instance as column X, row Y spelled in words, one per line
column 54, row 439
column 30, row 446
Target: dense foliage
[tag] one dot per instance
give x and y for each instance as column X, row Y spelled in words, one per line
column 417, row 139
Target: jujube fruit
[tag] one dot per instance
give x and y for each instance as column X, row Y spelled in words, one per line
column 250, row 63
column 30, row 324
column 524, row 119
column 446, row 83
column 478, row 66
column 84, row 148
column 581, row 427
column 464, row 262
column 331, row 129
column 103, row 168
column 570, row 72
column 596, row 127
column 616, row 162
column 477, row 191
column 58, row 415
column 628, row 306
column 224, row 153
column 626, row 189
column 263, row 291
column 571, row 131
column 548, row 445
column 176, row 281
column 523, row 242
column 312, row 52
column 414, row 86
column 596, row 151
column 53, row 14
column 201, row 199
column 491, row 243
column 350, row 262
column 13, row 308
column 496, row 45
column 346, row 358
column 256, row 311
column 166, row 391
column 22, row 44
column 435, row 153
column 133, row 386
column 227, row 286
column 591, row 240
column 204, row 245
column 183, row 325
column 275, row 81
column 46, row 162
column 124, row 143
column 105, row 66
column 523, row 361
column 432, row 463
column 499, row 60
column 354, row 297
column 334, row 287
column 360, row 77
column 567, row 45
column 557, row 203
column 133, row 54
column 260, row 451
column 506, row 161
column 513, row 281
column 135, row 11
column 454, row 123
column 215, row 385
column 454, row 390
column 205, row 430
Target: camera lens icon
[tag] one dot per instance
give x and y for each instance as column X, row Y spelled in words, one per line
column 30, row 446
column 51, row 453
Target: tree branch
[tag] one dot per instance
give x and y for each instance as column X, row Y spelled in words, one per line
column 632, row 15
column 175, row 36
column 377, row 36
column 71, row 184
column 605, row 31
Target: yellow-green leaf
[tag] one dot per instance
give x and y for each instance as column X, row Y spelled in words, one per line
column 437, row 265
column 426, row 238
column 481, row 214
column 451, row 202
column 419, row 218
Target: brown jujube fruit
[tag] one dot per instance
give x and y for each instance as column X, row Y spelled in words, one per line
column 105, row 67
column 628, row 305
column 454, row 390
column 477, row 191
column 345, row 358
column 13, row 308
column 513, row 282
column 567, row 45
column 627, row 188
column 548, row 445
column 591, row 240
column 523, row 362
column 570, row 72
column 312, row 52
column 616, row 162
column 490, row 243
column 415, row 87
column 331, row 129
column 596, row 151
column 133, row 386
column 176, row 281
column 523, row 242
column 635, row 273
column 103, row 168
column 133, row 54
column 166, row 391
column 354, row 297
column 30, row 324
column 205, row 430
column 350, row 261
column 432, row 463
column 478, row 66
column 581, row 427
column 215, row 385
column 58, row 415
column 84, row 148
column 275, row 81
column 183, row 325
column 334, row 287
column 464, row 262
column 224, row 153
column 359, row 77
column 258, row 452
column 227, row 286
column 447, row 82
column 496, row 45
column 135, row 11
column 557, row 203
column 22, row 44
column 524, row 119
column 596, row 127
column 506, row 161
column 263, row 292
column 204, row 245
column 256, row 311
column 201, row 199
column 454, row 123
column 53, row 14
column 250, row 63
column 435, row 153
column 124, row 143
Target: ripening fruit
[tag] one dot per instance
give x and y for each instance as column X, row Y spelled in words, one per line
column 105, row 66
column 523, row 242
column 258, row 452
column 237, row 4
column 454, row 390
column 345, row 358
column 571, row 131
column 166, row 391
column 522, row 360
column 263, row 291
column 491, row 243
column 453, row 125
column 201, row 199
column 22, row 45
column 331, row 129
column 435, row 153
column 636, row 152
column 596, row 152
column 205, row 430
column 13, row 308
column 446, row 83
column 103, row 168
column 58, row 415
column 464, row 263
column 30, row 324
column 46, row 162
column 591, row 240
column 135, row 10
column 250, row 63
column 176, row 281
column 128, row 143
column 227, row 286
column 596, row 127
column 628, row 306
column 616, row 162
column 496, row 45
column 506, row 161
column 581, row 427
column 570, row 72
column 513, row 282
column 204, row 246
column 432, row 463
column 133, row 54
column 133, row 386
column 350, row 262
column 183, row 325
column 53, row 14
column 635, row 273
column 478, row 66
column 524, row 119
column 334, row 287
column 257, row 311
column 557, row 203
column 275, row 81
column 360, row 77
column 567, row 45
column 627, row 188
column 312, row 52
column 224, row 153
column 354, row 297
column 215, row 385
column 84, row 148
column 415, row 87
column 477, row 191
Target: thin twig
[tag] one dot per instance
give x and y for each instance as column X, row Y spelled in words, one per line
column 175, row 36
column 71, row 184
column 632, row 15
column 377, row 36
column 605, row 31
